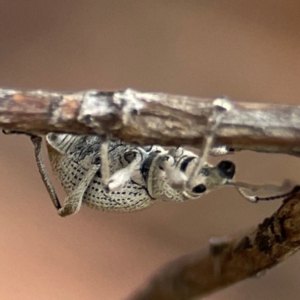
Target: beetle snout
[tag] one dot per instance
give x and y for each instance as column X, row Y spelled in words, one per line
column 226, row 169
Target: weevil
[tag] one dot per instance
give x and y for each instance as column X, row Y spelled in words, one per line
column 140, row 175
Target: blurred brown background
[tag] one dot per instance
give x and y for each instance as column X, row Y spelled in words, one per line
column 246, row 50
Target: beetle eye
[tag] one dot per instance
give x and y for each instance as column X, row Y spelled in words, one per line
column 198, row 189
column 226, row 169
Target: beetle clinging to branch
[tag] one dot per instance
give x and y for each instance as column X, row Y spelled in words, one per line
column 139, row 174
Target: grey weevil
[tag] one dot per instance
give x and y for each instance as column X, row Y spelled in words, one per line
column 140, row 174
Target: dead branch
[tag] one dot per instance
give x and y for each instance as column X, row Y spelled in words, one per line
column 227, row 261
column 151, row 118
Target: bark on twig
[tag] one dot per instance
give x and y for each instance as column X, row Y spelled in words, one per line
column 227, row 261
column 151, row 118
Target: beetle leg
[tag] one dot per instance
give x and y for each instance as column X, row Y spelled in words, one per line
column 37, row 142
column 73, row 201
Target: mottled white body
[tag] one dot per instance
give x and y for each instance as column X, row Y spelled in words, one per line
column 73, row 158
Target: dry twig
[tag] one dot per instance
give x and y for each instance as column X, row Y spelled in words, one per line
column 151, row 118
